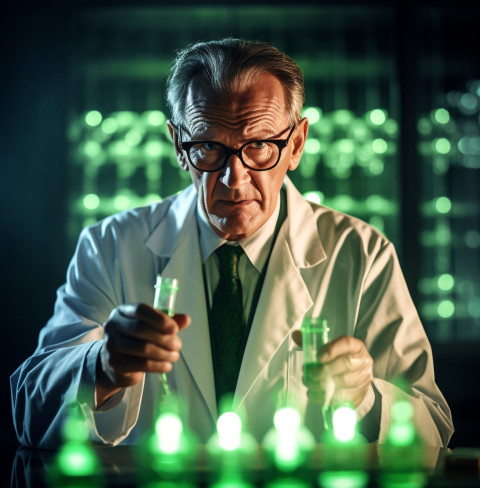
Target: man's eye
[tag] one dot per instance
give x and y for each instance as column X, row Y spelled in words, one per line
column 210, row 146
column 258, row 144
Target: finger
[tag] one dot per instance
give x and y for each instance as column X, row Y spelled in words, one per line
column 340, row 347
column 134, row 347
column 346, row 364
column 352, row 379
column 183, row 320
column 148, row 315
column 124, row 364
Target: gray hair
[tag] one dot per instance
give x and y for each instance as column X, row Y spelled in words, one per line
column 228, row 65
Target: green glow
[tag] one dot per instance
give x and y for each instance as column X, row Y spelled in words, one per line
column 286, row 420
column 391, row 127
column 445, row 282
column 314, row 196
column 377, row 222
column 377, row 203
column 93, row 118
column 446, row 309
column 133, row 137
column 75, row 429
column 443, row 235
column 472, row 239
column 402, row 411
column 424, row 126
column 153, row 149
column 379, row 146
column 376, row 166
column 109, row 126
column 313, row 114
column 344, row 422
column 402, row 434
column 91, row 201
column 344, row 203
column 92, row 149
column 155, row 118
column 345, row 145
column 442, row 145
column 443, row 205
column 343, row 479
column 119, row 149
column 121, row 202
column 124, row 118
column 441, row 116
column 229, row 428
column 377, row 116
column 403, row 479
column 77, row 460
column 342, row 117
column 168, row 428
column 312, row 146
column 152, row 198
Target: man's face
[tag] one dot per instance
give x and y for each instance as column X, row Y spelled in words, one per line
column 237, row 200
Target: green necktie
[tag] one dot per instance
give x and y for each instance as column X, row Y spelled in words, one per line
column 227, row 326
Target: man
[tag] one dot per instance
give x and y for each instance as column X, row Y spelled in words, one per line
column 236, row 126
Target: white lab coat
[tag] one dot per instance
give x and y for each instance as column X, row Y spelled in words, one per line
column 323, row 262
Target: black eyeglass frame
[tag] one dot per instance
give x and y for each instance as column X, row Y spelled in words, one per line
column 280, row 143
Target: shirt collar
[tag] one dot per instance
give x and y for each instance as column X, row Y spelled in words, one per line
column 256, row 246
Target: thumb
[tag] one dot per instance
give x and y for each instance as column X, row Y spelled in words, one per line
column 183, row 320
column 297, row 337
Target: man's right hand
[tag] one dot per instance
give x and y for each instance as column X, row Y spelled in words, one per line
column 138, row 339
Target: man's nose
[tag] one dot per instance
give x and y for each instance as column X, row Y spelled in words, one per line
column 235, row 174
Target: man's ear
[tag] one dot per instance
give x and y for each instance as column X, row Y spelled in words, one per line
column 181, row 156
column 298, row 142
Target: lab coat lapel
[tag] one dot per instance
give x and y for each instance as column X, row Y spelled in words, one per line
column 182, row 249
column 285, row 297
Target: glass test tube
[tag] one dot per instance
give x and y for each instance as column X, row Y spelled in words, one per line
column 165, row 295
column 314, row 337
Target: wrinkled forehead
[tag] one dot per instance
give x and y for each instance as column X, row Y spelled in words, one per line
column 260, row 97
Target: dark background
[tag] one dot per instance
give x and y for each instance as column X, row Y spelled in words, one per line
column 37, row 97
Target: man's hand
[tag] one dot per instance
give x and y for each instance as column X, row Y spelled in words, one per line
column 138, row 339
column 345, row 360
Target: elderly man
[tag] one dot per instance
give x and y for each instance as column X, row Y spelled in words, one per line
column 253, row 258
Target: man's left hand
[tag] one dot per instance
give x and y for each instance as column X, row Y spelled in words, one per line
column 345, row 360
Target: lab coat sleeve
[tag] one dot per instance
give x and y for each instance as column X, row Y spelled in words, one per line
column 62, row 369
column 389, row 325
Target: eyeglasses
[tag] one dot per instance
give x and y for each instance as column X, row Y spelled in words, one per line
column 260, row 155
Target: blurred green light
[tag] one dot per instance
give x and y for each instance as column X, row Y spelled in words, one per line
column 312, row 146
column 376, row 166
column 441, row 116
column 155, row 118
column 93, row 118
column 168, row 428
column 344, row 422
column 77, row 460
column 286, row 420
column 402, row 434
column 342, row 117
column 443, row 205
column 313, row 114
column 345, row 146
column 445, row 282
column 121, row 202
column 124, row 118
column 92, row 149
column 379, row 146
column 446, row 309
column 391, row 127
column 343, row 479
column 402, row 411
column 133, row 137
column 154, row 149
column 314, row 196
column 377, row 116
column 229, row 428
column 120, row 148
column 109, row 126
column 472, row 239
column 91, row 201
column 442, row 145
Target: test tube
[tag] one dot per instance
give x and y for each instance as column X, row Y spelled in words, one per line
column 314, row 337
column 165, row 295
column 164, row 300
